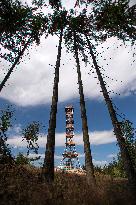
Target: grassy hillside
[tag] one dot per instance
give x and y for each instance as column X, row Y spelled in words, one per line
column 22, row 185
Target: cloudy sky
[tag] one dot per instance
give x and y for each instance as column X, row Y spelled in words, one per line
column 29, row 91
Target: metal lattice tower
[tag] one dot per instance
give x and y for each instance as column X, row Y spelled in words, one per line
column 70, row 156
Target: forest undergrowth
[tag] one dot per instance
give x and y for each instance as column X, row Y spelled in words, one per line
column 22, row 185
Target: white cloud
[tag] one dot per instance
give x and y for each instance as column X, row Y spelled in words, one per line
column 33, row 155
column 102, row 137
column 81, row 155
column 58, row 157
column 132, row 2
column 16, row 142
column 111, row 155
column 32, row 81
column 96, row 138
column 15, row 129
column 42, row 156
column 99, row 162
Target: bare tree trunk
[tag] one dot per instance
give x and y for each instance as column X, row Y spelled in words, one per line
column 48, row 167
column 128, row 165
column 87, row 150
column 13, row 66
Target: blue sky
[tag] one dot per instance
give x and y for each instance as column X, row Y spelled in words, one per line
column 29, row 91
column 98, row 120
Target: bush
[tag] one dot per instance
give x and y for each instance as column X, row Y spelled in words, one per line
column 22, row 160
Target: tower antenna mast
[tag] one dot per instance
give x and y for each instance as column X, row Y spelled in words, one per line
column 70, row 156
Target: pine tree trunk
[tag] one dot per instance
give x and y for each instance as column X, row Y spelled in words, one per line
column 13, row 66
column 128, row 165
column 48, row 167
column 88, row 157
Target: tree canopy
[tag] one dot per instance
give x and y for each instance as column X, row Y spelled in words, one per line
column 18, row 24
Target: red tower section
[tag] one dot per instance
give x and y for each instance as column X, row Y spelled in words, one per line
column 70, row 156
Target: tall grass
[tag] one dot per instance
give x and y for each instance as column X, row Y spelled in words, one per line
column 22, row 185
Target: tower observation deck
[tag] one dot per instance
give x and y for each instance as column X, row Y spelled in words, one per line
column 70, row 156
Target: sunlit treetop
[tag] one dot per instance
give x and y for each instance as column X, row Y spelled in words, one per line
column 106, row 19
column 55, row 4
column 80, row 2
column 75, row 25
column 116, row 19
column 58, row 21
column 18, row 24
column 112, row 18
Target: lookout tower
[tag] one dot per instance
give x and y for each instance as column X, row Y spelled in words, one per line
column 70, row 156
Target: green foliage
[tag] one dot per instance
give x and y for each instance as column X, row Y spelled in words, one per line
column 31, row 134
column 114, row 168
column 97, row 169
column 107, row 19
column 128, row 131
column 75, row 25
column 38, row 3
column 78, row 2
column 38, row 27
column 5, row 119
column 58, row 21
column 18, row 24
column 12, row 16
column 56, row 4
column 129, row 134
column 5, row 124
column 22, row 160
column 116, row 18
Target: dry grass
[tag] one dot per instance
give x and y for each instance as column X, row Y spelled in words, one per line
column 22, row 185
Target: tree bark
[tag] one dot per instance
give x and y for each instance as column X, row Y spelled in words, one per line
column 48, row 167
column 128, row 165
column 13, row 66
column 87, row 150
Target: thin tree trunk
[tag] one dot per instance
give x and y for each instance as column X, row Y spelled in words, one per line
column 87, row 150
column 13, row 66
column 48, row 167
column 128, row 165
